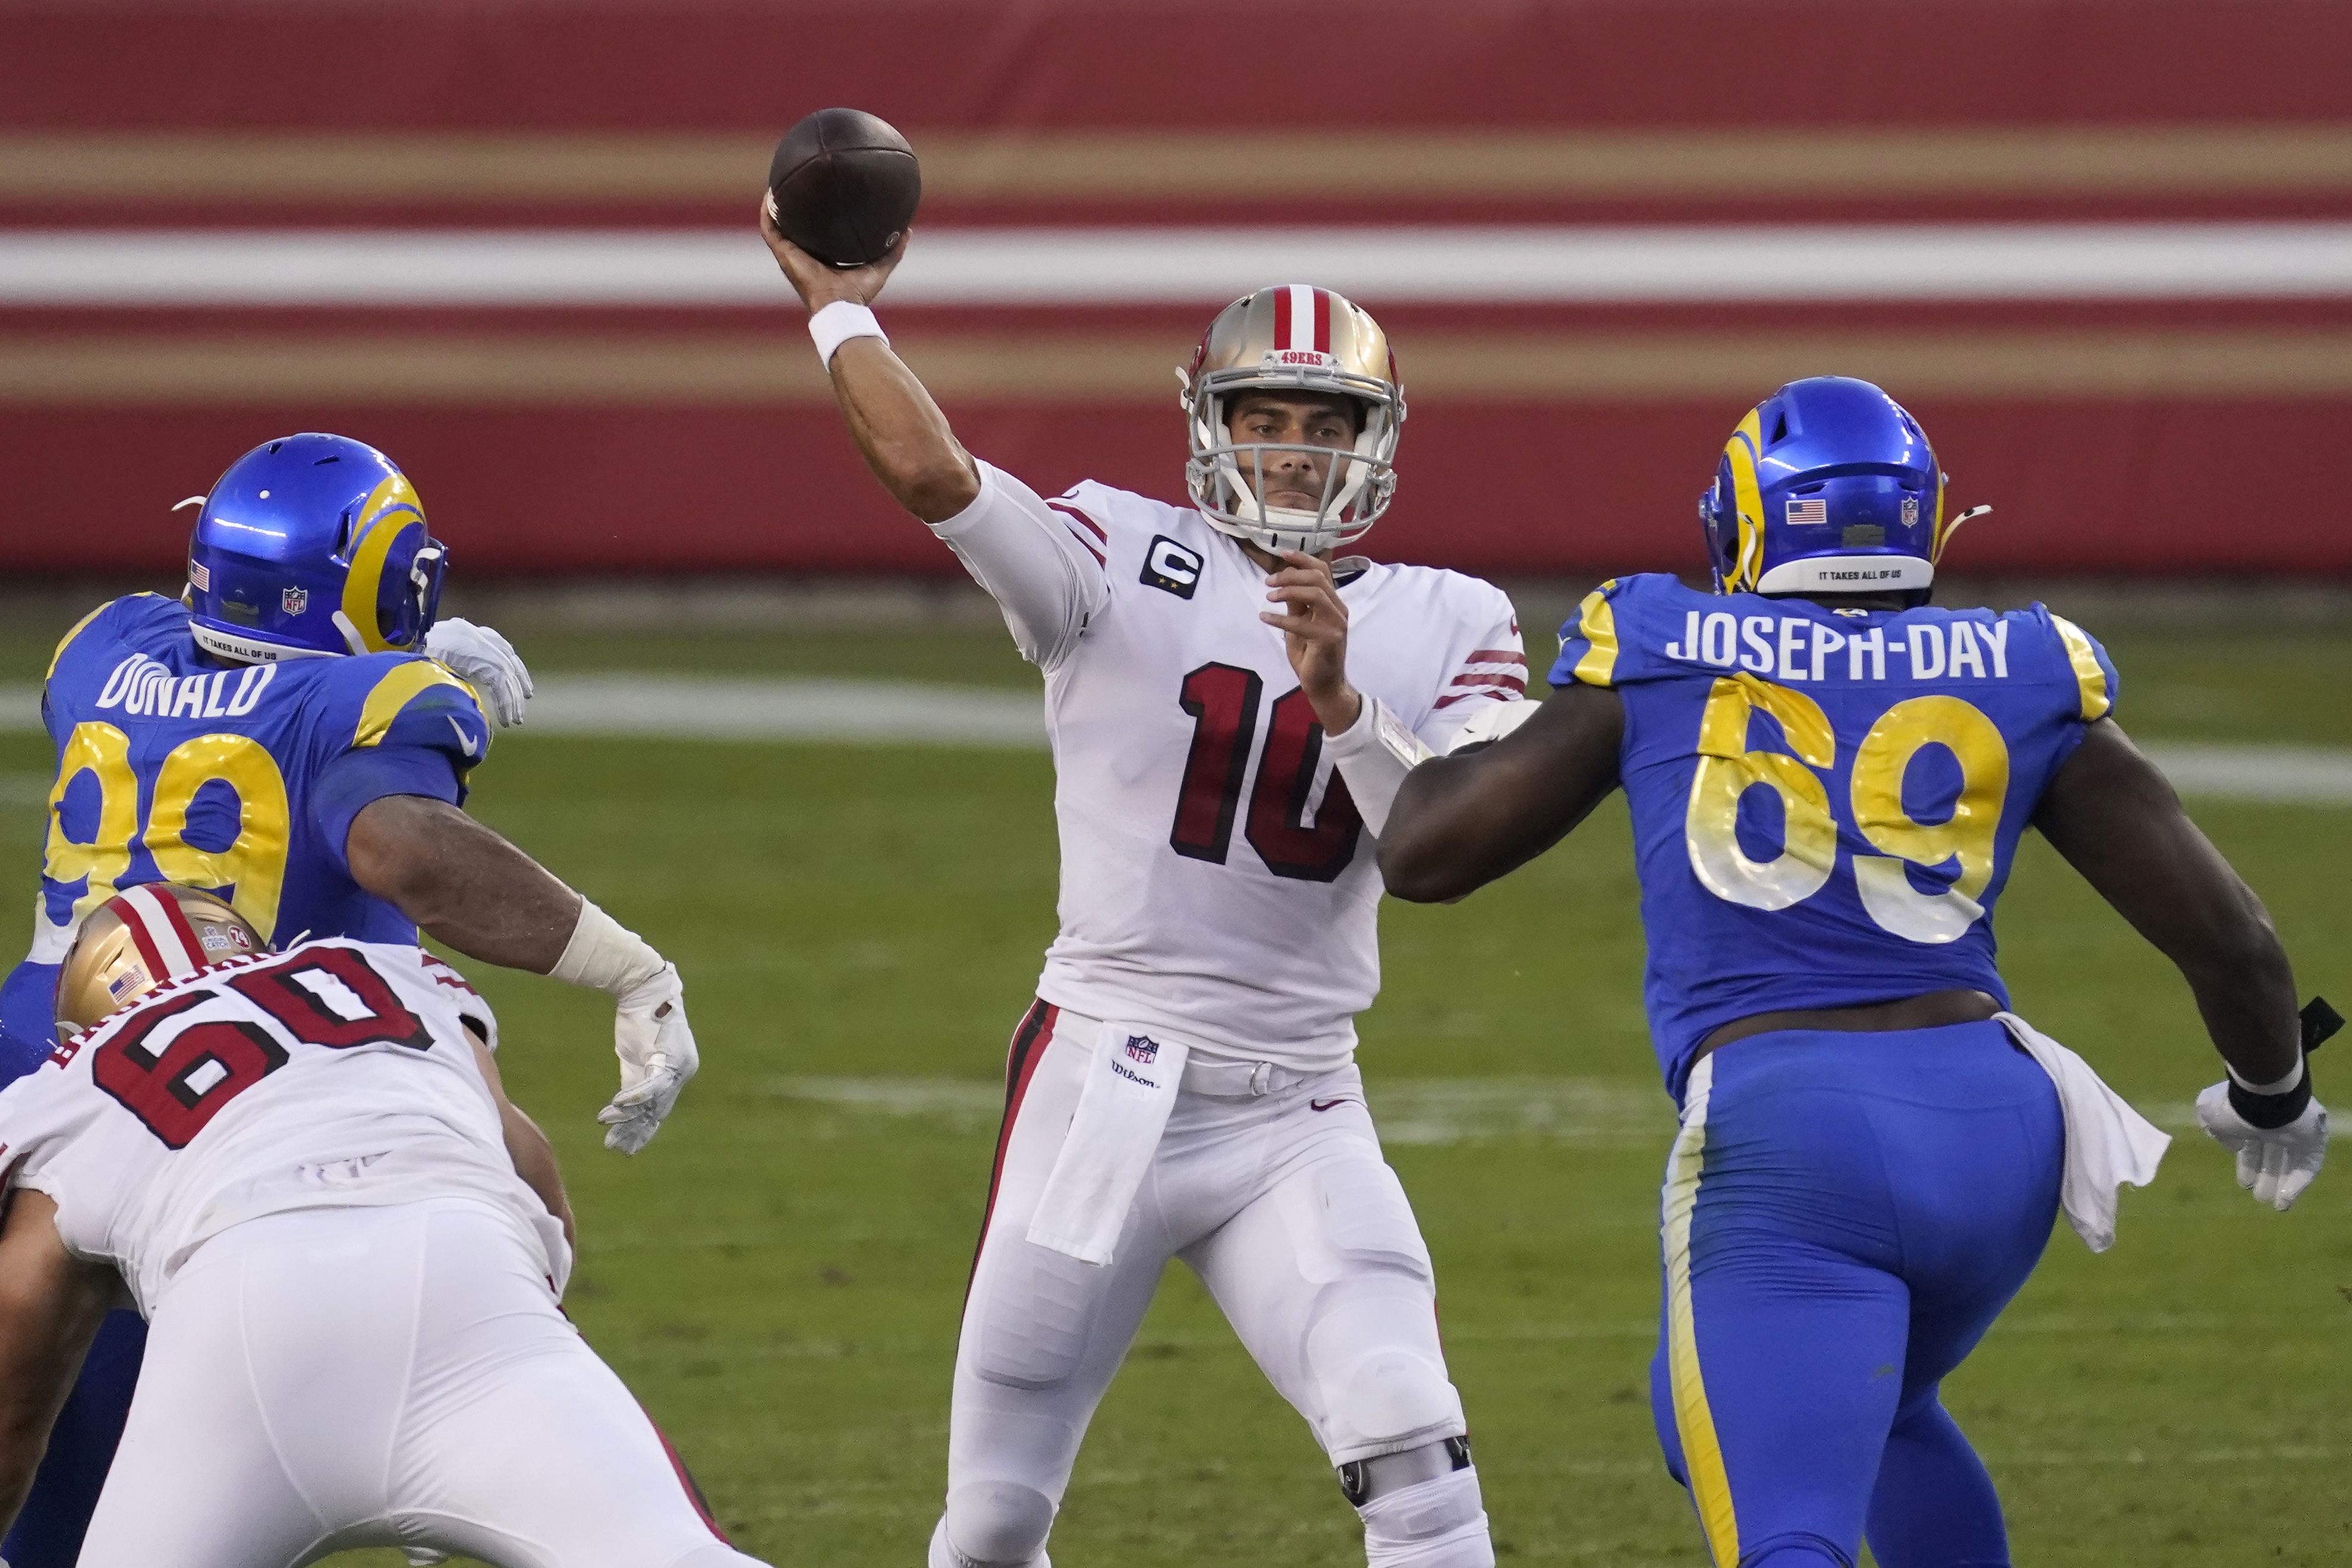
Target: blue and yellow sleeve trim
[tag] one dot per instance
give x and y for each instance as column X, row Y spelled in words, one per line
column 417, row 703
column 66, row 641
column 2095, row 680
column 1588, row 643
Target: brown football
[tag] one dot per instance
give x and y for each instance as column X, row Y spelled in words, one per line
column 844, row 185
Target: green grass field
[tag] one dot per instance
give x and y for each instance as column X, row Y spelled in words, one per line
column 778, row 1277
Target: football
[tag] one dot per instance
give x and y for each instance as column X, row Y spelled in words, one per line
column 843, row 186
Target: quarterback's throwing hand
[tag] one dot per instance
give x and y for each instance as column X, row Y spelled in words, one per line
column 657, row 1055
column 1313, row 621
column 820, row 285
column 2274, row 1164
column 484, row 661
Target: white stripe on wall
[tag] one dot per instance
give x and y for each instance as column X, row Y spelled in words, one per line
column 1195, row 266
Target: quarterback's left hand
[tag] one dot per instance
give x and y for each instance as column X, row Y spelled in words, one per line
column 657, row 1055
column 1313, row 621
column 486, row 662
column 2274, row 1164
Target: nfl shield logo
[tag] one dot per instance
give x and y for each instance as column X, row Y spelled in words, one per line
column 294, row 600
column 1910, row 511
column 1142, row 1047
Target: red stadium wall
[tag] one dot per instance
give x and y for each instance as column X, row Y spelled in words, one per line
column 2157, row 381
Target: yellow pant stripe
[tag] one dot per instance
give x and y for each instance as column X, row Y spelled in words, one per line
column 1710, row 1488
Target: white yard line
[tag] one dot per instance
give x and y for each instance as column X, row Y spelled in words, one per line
column 1429, row 1111
column 881, row 712
column 1195, row 266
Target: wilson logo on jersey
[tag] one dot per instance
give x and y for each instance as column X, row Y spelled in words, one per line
column 1143, row 1048
column 1170, row 568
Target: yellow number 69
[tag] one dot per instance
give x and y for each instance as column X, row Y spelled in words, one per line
column 1970, row 836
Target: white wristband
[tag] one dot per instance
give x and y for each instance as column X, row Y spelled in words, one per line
column 840, row 321
column 2282, row 1086
column 605, row 955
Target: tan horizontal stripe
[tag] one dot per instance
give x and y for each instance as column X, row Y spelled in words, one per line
column 628, row 371
column 1496, row 164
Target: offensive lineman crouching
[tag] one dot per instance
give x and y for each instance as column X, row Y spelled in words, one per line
column 1185, row 1085
column 349, row 1246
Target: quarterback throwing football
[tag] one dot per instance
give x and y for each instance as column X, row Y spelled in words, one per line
column 1231, row 710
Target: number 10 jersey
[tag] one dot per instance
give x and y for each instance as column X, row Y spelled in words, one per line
column 1826, row 801
column 1217, row 882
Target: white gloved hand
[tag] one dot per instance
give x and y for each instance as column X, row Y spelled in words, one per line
column 2274, row 1164
column 657, row 1055
column 486, row 662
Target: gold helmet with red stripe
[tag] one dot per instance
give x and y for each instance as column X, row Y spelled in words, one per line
column 1292, row 338
column 138, row 940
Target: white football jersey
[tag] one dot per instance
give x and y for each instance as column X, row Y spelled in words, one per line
column 1217, row 882
column 334, row 1075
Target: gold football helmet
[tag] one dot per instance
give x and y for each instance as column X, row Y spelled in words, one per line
column 138, row 940
column 1292, row 338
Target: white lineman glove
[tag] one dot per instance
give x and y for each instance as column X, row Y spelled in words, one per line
column 657, row 1055
column 2274, row 1164
column 484, row 661
column 649, row 1031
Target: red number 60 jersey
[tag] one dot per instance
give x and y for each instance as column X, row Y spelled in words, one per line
column 335, row 1075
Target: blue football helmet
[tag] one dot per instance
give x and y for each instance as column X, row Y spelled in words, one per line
column 1827, row 487
column 312, row 545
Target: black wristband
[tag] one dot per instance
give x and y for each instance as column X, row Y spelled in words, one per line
column 2268, row 1111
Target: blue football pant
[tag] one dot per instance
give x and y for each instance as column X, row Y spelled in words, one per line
column 1845, row 1217
column 49, row 1531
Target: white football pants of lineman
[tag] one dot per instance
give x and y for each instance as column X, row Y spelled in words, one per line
column 394, row 1376
column 1283, row 1206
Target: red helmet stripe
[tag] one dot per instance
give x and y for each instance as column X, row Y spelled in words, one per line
column 166, row 942
column 1282, row 316
column 1323, row 320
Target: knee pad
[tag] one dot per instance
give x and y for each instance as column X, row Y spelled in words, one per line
column 1435, row 1522
column 1389, row 1397
column 993, row 1524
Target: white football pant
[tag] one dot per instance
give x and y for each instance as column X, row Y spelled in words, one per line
column 1283, row 1206
column 397, row 1376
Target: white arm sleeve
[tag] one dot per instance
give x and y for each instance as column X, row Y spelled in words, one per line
column 1373, row 754
column 1047, row 580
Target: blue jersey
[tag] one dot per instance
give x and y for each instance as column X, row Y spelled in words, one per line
column 1826, row 801
column 238, row 779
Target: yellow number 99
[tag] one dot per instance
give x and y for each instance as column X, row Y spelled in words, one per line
column 253, row 867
